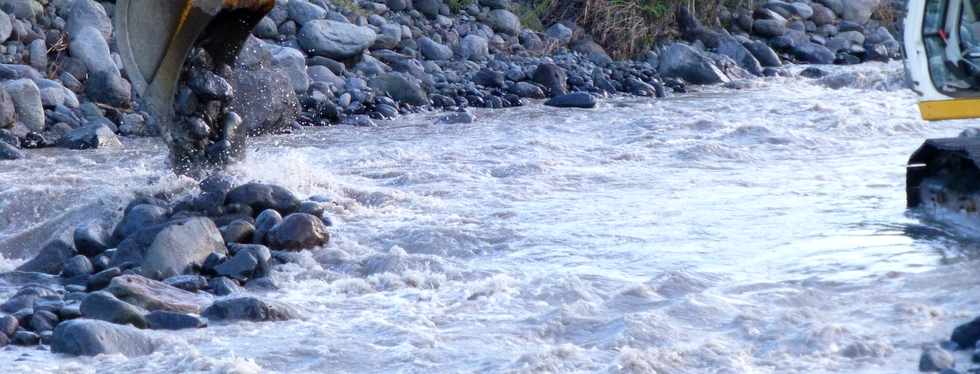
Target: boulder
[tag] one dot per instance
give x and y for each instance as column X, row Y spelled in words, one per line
column 298, row 231
column 560, row 33
column 859, row 11
column 266, row 220
column 730, row 47
column 250, row 309
column 428, row 7
column 9, row 152
column 263, row 196
column 88, row 13
column 26, row 97
column 502, row 20
column 302, row 11
column 87, row 337
column 265, row 97
column 681, row 61
column 935, row 359
column 967, row 334
column 97, row 135
column 401, row 87
column 474, row 48
column 432, row 50
column 334, row 39
column 154, row 295
column 163, row 320
column 104, row 306
column 250, row 261
column 813, row 53
column 762, row 53
column 573, row 100
column 90, row 239
column 552, row 78
column 138, row 217
column 769, row 28
column 51, row 258
column 89, row 46
column 180, row 247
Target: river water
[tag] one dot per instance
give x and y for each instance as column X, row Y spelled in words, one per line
column 760, row 230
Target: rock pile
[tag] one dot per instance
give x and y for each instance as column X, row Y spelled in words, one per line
column 165, row 265
column 319, row 62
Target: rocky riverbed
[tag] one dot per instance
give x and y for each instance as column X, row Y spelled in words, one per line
column 321, row 62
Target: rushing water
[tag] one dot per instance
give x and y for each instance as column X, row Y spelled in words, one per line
column 724, row 231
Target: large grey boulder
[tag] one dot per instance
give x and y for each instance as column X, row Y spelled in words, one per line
column 769, row 28
column 681, row 61
column 336, row 40
column 428, row 7
column 298, row 231
column 104, row 306
column 762, row 53
column 474, row 48
column 6, row 27
column 181, row 247
column 292, row 62
column 27, row 103
column 401, row 87
column 502, row 20
column 96, row 135
column 23, row 9
column 813, row 53
column 302, row 11
column 89, row 46
column 433, row 50
column 262, row 196
column 559, row 32
column 88, row 13
column 822, row 15
column 108, row 87
column 9, row 152
column 730, row 47
column 51, row 258
column 87, row 337
column 154, row 295
column 250, row 309
column 859, row 11
column 552, row 77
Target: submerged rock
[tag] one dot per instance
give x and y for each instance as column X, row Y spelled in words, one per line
column 51, row 259
column 87, row 337
column 250, row 309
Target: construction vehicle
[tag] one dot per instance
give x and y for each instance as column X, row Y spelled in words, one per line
column 942, row 64
column 155, row 37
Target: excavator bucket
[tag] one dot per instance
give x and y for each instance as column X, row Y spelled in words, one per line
column 155, row 37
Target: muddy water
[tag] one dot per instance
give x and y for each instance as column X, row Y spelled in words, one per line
column 727, row 231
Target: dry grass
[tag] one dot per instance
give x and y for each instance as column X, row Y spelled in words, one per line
column 628, row 28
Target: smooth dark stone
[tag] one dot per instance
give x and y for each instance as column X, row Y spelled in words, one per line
column 104, row 306
column 250, row 309
column 163, row 320
column 573, row 100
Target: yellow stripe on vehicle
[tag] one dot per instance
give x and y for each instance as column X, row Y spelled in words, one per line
column 939, row 110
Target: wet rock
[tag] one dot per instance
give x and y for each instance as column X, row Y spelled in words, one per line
column 90, row 239
column 292, row 62
column 401, row 87
column 163, row 320
column 263, row 196
column 529, row 90
column 298, row 231
column 43, row 320
column 762, row 53
column 265, row 97
column 8, row 325
column 813, row 73
column 101, row 279
column 456, row 118
column 9, row 152
column 250, row 309
column 26, row 338
column 223, row 286
column 25, row 299
column 769, row 28
column 239, row 231
column 334, row 39
column 86, row 337
column 154, row 295
column 428, row 7
column 51, row 258
column 189, row 283
column 858, row 11
column 104, row 306
column 26, row 97
column 730, row 47
column 813, row 53
column 559, row 32
column 173, row 248
column 210, row 86
column 264, row 223
column 967, row 334
column 935, row 359
column 138, row 218
column 552, row 78
column 90, row 137
column 75, row 266
column 573, row 100
column 682, row 61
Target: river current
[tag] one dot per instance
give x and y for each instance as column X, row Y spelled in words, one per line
column 752, row 230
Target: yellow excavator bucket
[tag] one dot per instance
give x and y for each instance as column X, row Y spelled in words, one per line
column 156, row 36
